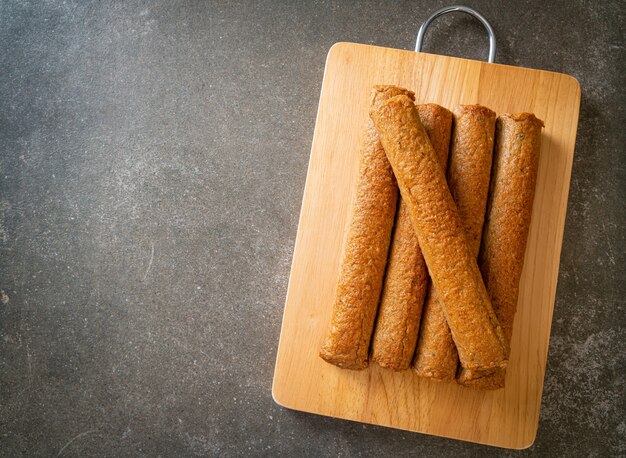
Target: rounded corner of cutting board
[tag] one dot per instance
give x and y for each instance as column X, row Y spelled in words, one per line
column 279, row 395
column 526, row 442
column 575, row 83
column 338, row 49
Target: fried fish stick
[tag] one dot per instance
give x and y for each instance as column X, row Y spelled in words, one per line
column 365, row 250
column 475, row 328
column 406, row 280
column 516, row 160
column 436, row 356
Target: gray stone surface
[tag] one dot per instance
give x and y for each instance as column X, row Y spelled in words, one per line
column 152, row 163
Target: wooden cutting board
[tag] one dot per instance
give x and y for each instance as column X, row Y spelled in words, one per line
column 302, row 380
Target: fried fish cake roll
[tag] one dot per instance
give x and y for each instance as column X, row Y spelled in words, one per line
column 516, row 160
column 452, row 267
column 471, row 152
column 365, row 250
column 406, row 280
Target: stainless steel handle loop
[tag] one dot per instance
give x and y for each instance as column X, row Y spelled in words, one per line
column 462, row 9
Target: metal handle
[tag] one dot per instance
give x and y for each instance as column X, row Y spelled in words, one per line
column 462, row 9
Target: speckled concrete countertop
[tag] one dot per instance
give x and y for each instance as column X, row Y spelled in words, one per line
column 152, row 164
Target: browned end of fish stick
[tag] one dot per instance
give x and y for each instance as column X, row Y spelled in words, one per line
column 501, row 259
column 469, row 169
column 406, row 279
column 365, row 250
column 452, row 267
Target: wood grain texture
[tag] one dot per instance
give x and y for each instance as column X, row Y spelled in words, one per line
column 303, row 381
